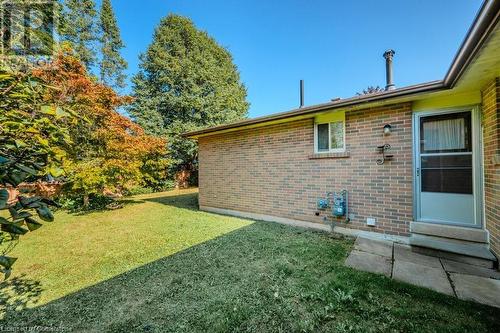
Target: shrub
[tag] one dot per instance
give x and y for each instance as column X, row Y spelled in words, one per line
column 74, row 203
column 33, row 138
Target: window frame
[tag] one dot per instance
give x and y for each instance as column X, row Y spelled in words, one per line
column 466, row 115
column 330, row 150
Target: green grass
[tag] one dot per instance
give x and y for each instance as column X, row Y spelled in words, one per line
column 160, row 265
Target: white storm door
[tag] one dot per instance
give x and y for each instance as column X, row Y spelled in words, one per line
column 445, row 168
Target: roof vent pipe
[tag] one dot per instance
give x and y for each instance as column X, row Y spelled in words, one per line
column 388, row 55
column 301, row 93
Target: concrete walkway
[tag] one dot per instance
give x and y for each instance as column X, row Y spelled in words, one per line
column 397, row 261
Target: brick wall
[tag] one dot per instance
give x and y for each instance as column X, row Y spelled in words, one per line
column 270, row 170
column 491, row 144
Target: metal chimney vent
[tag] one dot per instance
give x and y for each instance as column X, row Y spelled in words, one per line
column 301, row 93
column 388, row 55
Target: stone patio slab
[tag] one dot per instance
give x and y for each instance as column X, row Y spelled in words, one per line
column 404, row 253
column 368, row 262
column 453, row 256
column 469, row 280
column 478, row 289
column 475, row 250
column 458, row 267
column 422, row 276
column 381, row 248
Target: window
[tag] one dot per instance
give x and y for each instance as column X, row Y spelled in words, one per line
column 330, row 137
column 446, row 153
column 449, row 133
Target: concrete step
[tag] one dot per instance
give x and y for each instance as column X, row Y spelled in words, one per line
column 462, row 251
column 449, row 231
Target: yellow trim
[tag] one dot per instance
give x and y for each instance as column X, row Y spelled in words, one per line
column 330, row 117
column 448, row 101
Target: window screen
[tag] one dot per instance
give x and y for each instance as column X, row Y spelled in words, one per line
column 448, row 174
column 446, row 153
column 323, row 137
column 337, row 135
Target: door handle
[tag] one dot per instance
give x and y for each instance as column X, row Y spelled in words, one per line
column 418, row 172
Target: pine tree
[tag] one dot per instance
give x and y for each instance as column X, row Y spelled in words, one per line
column 112, row 64
column 186, row 81
column 79, row 29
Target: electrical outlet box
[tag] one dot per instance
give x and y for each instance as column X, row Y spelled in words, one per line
column 371, row 221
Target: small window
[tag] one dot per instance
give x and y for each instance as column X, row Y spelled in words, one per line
column 330, row 137
column 323, row 137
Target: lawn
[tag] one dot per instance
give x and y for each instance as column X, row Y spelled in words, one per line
column 160, row 265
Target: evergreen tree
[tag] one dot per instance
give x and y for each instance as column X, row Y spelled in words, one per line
column 186, row 81
column 78, row 27
column 112, row 64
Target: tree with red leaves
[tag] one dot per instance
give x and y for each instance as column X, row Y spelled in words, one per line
column 110, row 152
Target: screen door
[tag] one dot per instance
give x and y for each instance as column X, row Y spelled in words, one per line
column 444, row 168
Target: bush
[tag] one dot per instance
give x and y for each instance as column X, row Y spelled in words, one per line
column 161, row 186
column 139, row 190
column 74, row 203
column 165, row 185
column 193, row 178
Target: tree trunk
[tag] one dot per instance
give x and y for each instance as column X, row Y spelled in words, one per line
column 86, row 200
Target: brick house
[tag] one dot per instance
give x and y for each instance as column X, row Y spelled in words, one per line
column 441, row 187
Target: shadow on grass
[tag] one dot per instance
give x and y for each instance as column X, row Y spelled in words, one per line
column 17, row 293
column 185, row 201
column 262, row 277
column 120, row 203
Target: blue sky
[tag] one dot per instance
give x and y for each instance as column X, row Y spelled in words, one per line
column 335, row 46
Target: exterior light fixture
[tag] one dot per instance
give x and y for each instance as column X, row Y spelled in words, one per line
column 387, row 129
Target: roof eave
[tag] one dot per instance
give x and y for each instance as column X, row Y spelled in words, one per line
column 406, row 91
column 484, row 22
